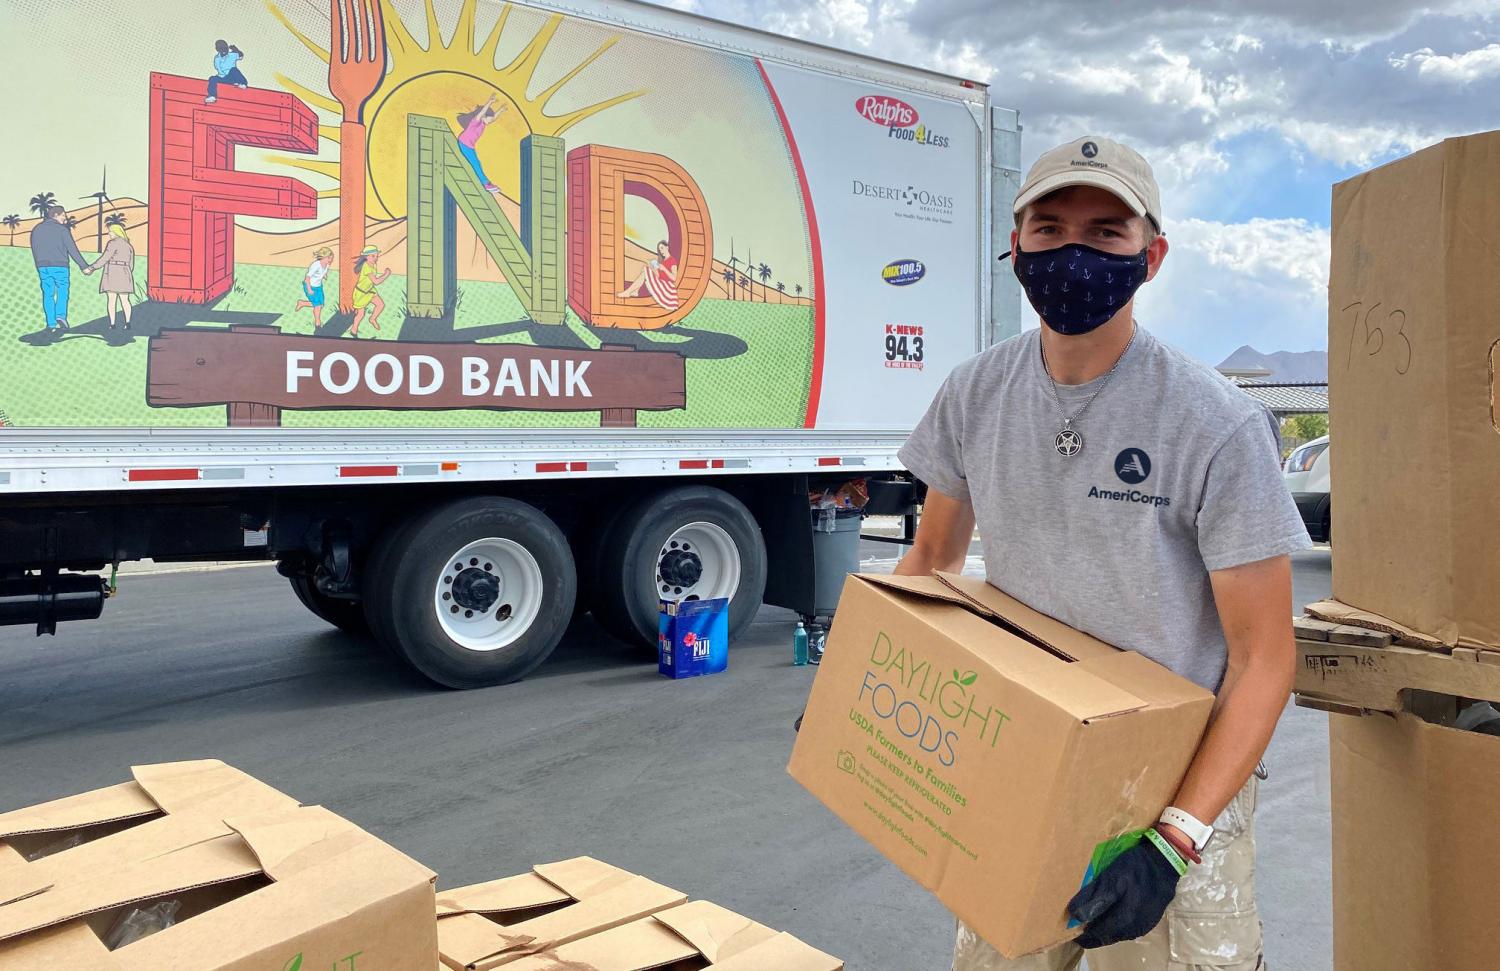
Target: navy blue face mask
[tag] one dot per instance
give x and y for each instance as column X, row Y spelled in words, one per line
column 1076, row 288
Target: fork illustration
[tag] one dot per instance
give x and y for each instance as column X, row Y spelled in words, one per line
column 356, row 66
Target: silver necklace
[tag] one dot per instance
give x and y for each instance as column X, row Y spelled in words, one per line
column 1068, row 441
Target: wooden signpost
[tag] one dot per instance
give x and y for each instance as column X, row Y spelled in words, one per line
column 257, row 372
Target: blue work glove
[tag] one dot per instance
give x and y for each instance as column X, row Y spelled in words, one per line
column 1130, row 896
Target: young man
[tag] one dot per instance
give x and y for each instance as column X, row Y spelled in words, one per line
column 52, row 245
column 227, row 58
column 1133, row 493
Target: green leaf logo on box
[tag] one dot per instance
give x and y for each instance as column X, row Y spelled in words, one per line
column 933, row 710
column 295, row 964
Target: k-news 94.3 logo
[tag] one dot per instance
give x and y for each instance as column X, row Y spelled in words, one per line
column 905, row 346
column 903, row 273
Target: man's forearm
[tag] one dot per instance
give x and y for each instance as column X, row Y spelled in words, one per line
column 1250, row 703
column 920, row 563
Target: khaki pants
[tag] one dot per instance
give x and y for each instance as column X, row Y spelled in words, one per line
column 1211, row 925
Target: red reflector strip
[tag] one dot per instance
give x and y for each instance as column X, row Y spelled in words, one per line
column 694, row 464
column 367, row 471
column 450, row 466
column 834, row 461
column 577, row 466
column 162, row 475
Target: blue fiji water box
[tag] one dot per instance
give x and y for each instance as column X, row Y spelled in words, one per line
column 693, row 638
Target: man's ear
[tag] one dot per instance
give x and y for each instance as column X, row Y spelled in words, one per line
column 1155, row 254
column 1015, row 240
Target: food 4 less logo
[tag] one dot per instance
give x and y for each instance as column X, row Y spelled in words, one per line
column 342, row 964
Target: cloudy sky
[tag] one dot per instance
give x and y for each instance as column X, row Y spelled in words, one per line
column 1248, row 110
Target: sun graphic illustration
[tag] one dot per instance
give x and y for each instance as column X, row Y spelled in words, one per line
column 443, row 79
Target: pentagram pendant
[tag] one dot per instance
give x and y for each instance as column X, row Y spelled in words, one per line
column 1068, row 442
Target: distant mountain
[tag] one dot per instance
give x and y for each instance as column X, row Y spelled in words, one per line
column 1283, row 365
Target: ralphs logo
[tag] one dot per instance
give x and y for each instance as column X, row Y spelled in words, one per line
column 885, row 111
column 903, row 273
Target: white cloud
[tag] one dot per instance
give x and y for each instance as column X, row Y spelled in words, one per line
column 1261, row 282
column 1470, row 66
column 1358, row 145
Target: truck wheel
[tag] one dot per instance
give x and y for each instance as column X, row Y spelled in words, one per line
column 347, row 615
column 474, row 593
column 688, row 543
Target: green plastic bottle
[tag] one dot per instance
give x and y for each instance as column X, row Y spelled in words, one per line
column 799, row 645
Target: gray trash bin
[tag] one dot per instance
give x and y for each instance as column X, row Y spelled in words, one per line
column 835, row 555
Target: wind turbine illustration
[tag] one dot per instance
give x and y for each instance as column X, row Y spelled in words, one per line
column 100, row 197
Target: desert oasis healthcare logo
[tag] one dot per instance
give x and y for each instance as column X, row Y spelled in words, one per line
column 899, row 119
column 914, row 202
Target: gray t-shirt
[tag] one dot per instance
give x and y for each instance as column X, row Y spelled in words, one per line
column 1179, row 475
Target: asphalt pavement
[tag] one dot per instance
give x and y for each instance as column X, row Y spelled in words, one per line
column 594, row 754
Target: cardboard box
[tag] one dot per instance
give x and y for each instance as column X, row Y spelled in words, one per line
column 497, row 923
column 692, row 638
column 1415, row 850
column 258, row 881
column 987, row 749
column 1412, row 352
column 697, row 936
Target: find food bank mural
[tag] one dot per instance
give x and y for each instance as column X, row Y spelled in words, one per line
column 378, row 213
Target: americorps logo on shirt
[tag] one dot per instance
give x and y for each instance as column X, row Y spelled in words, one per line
column 1132, row 467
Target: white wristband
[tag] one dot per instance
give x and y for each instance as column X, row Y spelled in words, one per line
column 1195, row 829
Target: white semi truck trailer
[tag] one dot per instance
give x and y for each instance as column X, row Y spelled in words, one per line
column 469, row 315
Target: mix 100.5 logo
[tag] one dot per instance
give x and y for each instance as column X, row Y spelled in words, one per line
column 903, row 273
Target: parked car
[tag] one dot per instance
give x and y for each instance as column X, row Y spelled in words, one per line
column 1306, row 472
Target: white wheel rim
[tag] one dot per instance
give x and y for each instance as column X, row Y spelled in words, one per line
column 492, row 567
column 717, row 558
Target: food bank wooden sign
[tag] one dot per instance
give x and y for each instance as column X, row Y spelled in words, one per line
column 258, row 371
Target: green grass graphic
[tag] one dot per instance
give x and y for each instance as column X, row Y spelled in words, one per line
column 84, row 381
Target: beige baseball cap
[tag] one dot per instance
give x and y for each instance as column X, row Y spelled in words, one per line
column 1100, row 162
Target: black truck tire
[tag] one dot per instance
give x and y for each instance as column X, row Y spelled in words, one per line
column 686, row 523
column 474, row 593
column 347, row 615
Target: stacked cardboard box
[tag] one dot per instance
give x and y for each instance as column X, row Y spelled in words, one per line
column 198, row 865
column 227, row 872
column 582, row 913
column 1413, row 348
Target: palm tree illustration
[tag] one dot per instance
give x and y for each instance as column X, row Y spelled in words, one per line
column 115, row 219
column 780, row 287
column 798, row 288
column 765, row 275
column 41, row 201
column 745, row 283
column 729, row 280
column 11, row 222
column 72, row 221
